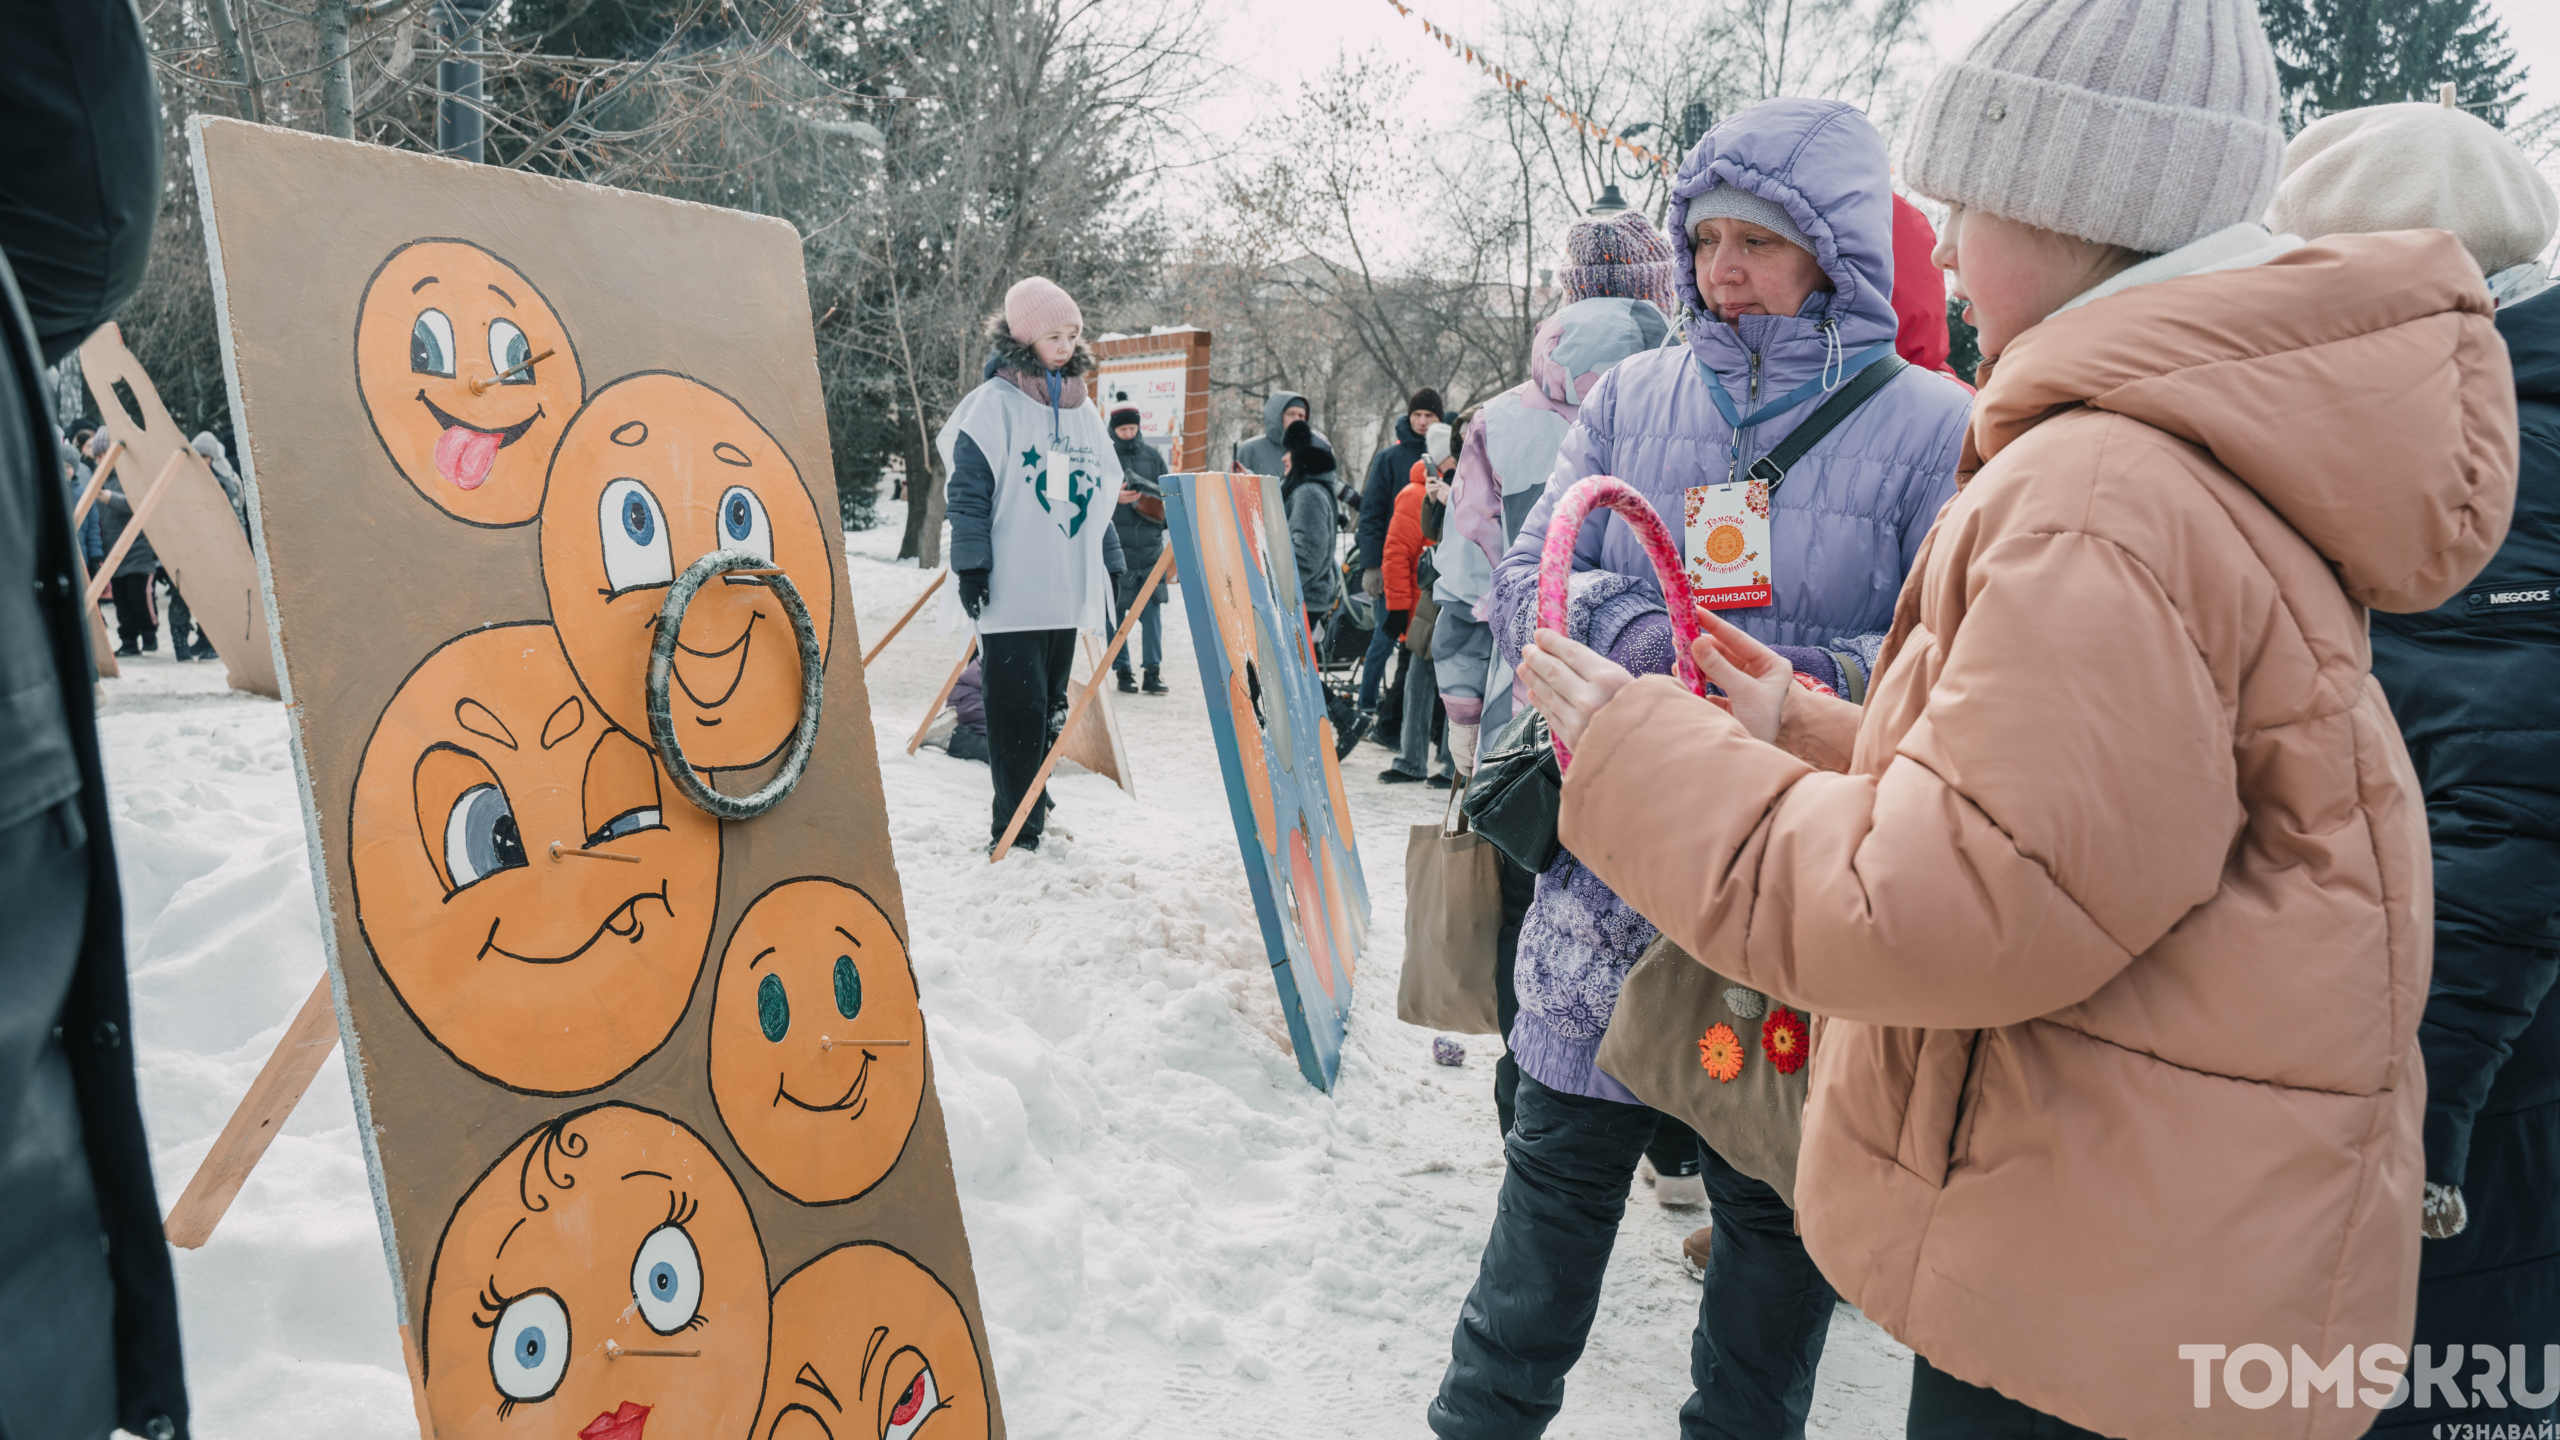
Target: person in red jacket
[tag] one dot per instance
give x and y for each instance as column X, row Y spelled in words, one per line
column 1919, row 293
column 1407, row 538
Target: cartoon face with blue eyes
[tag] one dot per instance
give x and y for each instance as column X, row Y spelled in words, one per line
column 817, row 1044
column 869, row 1345
column 468, row 377
column 655, row 473
column 602, row 1281
column 490, row 801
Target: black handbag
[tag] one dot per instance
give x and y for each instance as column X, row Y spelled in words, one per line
column 1516, row 793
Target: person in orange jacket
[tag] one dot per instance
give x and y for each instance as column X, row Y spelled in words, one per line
column 1408, row 538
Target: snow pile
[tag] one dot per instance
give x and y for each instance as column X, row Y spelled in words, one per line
column 1174, row 1234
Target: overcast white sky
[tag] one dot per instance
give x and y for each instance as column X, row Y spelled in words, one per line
column 1274, row 44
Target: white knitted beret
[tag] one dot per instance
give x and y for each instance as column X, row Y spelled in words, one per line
column 2417, row 167
column 2141, row 123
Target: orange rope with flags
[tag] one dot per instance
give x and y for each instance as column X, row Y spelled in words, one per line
column 1519, row 86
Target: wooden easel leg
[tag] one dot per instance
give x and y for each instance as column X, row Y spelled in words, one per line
column 883, row 643
column 1084, row 697
column 133, row 531
column 943, row 694
column 271, row 1098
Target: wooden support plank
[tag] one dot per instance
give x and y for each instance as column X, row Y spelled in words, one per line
column 943, row 694
column 271, row 1098
column 133, row 530
column 97, row 482
column 1084, row 697
column 874, row 652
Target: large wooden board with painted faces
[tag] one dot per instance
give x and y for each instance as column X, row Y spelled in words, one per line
column 194, row 530
column 1284, row 787
column 647, row 1097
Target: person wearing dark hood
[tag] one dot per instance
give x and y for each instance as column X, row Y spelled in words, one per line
column 1031, row 545
column 1262, row 454
column 1140, row 524
column 93, row 1333
column 1389, row 471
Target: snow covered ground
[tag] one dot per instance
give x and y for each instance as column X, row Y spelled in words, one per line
column 1175, row 1236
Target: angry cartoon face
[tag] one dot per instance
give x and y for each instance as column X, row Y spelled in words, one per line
column 868, row 1345
column 487, row 799
column 656, row 472
column 603, row 1281
column 817, row 1042
column 446, row 343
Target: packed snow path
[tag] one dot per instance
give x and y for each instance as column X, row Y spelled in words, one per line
column 1175, row 1236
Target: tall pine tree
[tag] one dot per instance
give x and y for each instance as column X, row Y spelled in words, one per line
column 2334, row 55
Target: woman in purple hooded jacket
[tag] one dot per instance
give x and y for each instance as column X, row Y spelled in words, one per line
column 1787, row 210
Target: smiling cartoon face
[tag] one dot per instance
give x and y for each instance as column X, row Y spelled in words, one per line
column 868, row 1345
column 603, row 1281
column 655, row 473
column 545, row 972
column 817, row 1045
column 441, row 323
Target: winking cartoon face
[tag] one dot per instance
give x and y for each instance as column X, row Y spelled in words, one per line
column 817, row 1042
column 546, row 972
column 603, row 1281
column 657, row 471
column 440, row 322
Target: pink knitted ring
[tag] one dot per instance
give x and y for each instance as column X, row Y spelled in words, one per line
column 1555, row 568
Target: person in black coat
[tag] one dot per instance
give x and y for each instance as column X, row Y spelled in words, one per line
column 2470, row 683
column 1388, row 471
column 1139, row 522
column 92, row 1329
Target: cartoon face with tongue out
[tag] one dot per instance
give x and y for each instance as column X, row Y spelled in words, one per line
column 539, row 897
column 468, row 376
column 657, row 471
column 603, row 1280
column 867, row 1343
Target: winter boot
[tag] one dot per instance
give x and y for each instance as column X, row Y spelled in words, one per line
column 1397, row 777
column 150, row 642
column 1680, row 1192
column 129, row 649
column 1128, row 682
column 1693, row 1251
column 1155, row 682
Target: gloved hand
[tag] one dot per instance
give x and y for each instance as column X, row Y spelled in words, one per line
column 1462, row 747
column 1398, row 621
column 2444, row 1214
column 1374, row 580
column 973, row 591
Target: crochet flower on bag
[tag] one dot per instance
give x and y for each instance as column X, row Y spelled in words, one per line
column 1785, row 1040
column 1720, row 1053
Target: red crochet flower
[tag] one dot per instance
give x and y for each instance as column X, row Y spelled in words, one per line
column 1785, row 1040
column 1720, row 1053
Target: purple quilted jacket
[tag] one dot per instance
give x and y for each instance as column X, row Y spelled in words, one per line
column 1844, row 529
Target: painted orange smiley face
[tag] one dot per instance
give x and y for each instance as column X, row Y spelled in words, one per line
column 817, row 1042
column 603, row 1281
column 446, row 345
column 656, row 472
column 867, row 1343
column 548, row 972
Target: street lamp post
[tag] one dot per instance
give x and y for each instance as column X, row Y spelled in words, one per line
column 461, row 129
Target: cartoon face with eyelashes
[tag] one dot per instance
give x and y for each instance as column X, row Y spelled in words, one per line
column 868, row 1345
column 545, row 970
column 603, row 1281
column 446, row 344
column 656, row 472
column 817, row 1043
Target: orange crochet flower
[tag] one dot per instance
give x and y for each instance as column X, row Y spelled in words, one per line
column 1784, row 1038
column 1720, row 1053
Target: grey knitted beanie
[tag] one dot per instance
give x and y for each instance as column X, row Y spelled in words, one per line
column 2141, row 123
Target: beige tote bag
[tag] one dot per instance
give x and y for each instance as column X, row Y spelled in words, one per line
column 1722, row 1057
column 1452, row 923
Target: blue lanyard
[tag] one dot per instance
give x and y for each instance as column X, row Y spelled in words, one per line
column 1819, row 384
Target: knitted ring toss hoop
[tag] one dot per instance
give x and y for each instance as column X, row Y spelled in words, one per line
column 662, row 664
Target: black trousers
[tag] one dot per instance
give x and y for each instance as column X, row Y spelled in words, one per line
column 1946, row 1408
column 1761, row 1321
column 134, row 620
column 1026, row 681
